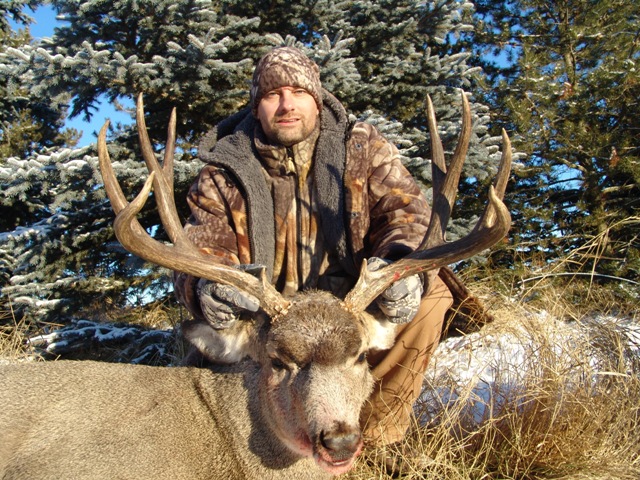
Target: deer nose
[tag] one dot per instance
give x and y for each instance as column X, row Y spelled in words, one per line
column 341, row 445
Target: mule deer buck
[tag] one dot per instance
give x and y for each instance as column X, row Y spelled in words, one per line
column 289, row 411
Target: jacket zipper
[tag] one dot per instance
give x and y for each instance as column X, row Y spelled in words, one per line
column 298, row 219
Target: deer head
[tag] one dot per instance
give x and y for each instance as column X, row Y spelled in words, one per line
column 312, row 348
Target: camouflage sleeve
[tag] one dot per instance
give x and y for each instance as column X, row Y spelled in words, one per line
column 216, row 227
column 399, row 212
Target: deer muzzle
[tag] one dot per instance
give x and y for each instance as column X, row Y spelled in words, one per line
column 336, row 449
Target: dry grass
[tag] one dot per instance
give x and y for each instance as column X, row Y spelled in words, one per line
column 159, row 314
column 14, row 332
column 137, row 335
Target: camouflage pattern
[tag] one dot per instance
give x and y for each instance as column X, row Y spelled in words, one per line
column 222, row 305
column 285, row 66
column 387, row 215
column 401, row 300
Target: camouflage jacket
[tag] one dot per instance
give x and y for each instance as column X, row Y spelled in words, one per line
column 310, row 213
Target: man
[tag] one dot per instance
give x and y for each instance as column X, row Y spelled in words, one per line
column 292, row 185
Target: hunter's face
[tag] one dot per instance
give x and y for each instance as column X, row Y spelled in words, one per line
column 288, row 115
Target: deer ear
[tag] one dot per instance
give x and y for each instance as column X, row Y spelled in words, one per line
column 226, row 346
column 382, row 332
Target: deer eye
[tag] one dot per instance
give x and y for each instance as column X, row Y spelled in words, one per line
column 278, row 364
column 362, row 358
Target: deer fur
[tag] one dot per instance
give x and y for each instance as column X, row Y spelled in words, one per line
column 289, row 411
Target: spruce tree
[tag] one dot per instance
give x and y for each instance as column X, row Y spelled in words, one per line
column 569, row 84
column 380, row 58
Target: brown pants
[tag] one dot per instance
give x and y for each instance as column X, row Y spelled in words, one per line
column 399, row 371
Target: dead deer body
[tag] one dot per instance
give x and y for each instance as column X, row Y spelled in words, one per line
column 290, row 411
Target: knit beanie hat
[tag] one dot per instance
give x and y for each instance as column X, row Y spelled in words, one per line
column 285, row 67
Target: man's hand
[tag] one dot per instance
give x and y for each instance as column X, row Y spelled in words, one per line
column 222, row 304
column 401, row 300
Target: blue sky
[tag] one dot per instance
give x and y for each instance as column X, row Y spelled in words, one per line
column 45, row 22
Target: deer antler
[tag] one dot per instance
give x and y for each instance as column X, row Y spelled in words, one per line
column 183, row 255
column 434, row 252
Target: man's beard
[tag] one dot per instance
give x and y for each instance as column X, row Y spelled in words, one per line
column 291, row 136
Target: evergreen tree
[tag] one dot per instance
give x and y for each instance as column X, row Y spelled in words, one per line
column 568, row 82
column 28, row 124
column 380, row 58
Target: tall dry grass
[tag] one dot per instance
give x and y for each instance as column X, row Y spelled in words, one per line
column 14, row 332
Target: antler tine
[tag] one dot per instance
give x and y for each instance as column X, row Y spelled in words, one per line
column 114, row 192
column 183, row 256
column 502, row 177
column 163, row 183
column 445, row 181
column 435, row 252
